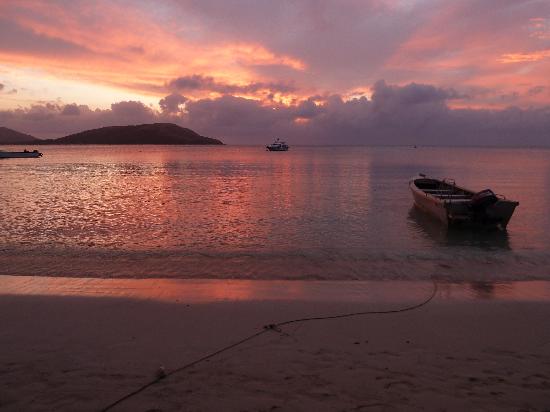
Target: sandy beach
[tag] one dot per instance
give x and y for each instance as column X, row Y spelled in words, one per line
column 73, row 351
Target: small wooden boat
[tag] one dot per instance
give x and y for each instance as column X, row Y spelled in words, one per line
column 25, row 153
column 455, row 205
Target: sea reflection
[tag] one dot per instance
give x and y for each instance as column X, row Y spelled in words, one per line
column 433, row 230
column 223, row 212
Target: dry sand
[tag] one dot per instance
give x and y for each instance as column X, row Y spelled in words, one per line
column 458, row 353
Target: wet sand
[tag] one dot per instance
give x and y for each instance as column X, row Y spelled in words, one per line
column 215, row 290
column 77, row 347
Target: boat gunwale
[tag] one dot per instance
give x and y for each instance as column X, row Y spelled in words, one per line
column 442, row 200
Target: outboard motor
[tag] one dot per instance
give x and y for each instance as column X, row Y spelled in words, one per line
column 481, row 201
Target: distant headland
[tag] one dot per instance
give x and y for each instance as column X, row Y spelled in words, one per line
column 155, row 133
column 9, row 136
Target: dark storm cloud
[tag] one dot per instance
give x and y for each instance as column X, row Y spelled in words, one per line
column 194, row 82
column 71, row 110
column 54, row 120
column 41, row 112
column 414, row 114
column 235, row 117
column 198, row 82
column 307, row 109
column 411, row 114
column 131, row 110
column 172, row 103
column 410, row 94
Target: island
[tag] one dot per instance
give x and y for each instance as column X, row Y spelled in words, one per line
column 12, row 137
column 143, row 134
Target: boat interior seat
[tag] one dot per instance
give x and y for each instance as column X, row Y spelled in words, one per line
column 427, row 184
column 455, row 200
column 450, row 196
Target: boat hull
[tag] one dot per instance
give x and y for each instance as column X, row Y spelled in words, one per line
column 277, row 149
column 501, row 212
column 458, row 210
column 11, row 155
column 430, row 205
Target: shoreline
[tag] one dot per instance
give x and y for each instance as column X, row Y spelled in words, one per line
column 88, row 262
column 216, row 290
column 92, row 262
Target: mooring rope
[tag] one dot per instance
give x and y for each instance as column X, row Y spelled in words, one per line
column 267, row 328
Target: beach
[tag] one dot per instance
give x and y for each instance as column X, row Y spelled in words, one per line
column 471, row 347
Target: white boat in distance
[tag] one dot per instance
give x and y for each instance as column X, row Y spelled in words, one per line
column 457, row 206
column 23, row 154
column 277, row 146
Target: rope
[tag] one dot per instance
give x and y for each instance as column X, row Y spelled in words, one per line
column 162, row 376
column 267, row 328
column 369, row 312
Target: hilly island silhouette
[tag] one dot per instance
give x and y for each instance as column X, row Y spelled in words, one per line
column 155, row 133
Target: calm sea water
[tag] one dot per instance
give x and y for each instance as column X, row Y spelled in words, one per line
column 241, row 212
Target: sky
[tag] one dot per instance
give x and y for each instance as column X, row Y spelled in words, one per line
column 313, row 72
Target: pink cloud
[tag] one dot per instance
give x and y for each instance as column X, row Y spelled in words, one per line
column 284, row 51
column 414, row 113
column 99, row 43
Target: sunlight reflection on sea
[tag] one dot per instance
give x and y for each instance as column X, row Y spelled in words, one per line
column 241, row 212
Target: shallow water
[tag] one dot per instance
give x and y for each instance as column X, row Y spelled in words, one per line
column 187, row 291
column 326, row 213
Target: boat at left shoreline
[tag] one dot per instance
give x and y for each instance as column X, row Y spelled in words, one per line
column 25, row 153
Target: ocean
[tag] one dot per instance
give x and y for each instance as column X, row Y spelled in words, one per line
column 323, row 213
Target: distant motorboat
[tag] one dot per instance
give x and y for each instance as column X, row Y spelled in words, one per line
column 23, row 154
column 277, row 146
column 456, row 206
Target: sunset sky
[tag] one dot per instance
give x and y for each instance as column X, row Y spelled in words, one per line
column 370, row 71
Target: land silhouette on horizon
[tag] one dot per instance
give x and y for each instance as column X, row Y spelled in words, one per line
column 153, row 133
column 10, row 136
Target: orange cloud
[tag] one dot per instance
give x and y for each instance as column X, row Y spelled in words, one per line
column 124, row 48
column 524, row 57
column 474, row 59
column 141, row 49
column 251, row 54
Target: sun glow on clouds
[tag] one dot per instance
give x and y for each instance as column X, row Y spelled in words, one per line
column 100, row 44
column 47, row 87
column 363, row 92
column 256, row 55
column 524, row 57
column 476, row 51
column 97, row 53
